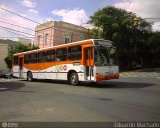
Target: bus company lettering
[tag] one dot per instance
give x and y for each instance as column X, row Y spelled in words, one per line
column 61, row 67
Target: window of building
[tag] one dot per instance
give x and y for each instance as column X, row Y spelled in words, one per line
column 39, row 40
column 61, row 54
column 50, row 55
column 27, row 58
column 82, row 37
column 46, row 39
column 67, row 38
column 41, row 57
column 15, row 60
column 33, row 57
column 75, row 53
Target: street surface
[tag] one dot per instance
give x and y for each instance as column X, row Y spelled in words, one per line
column 134, row 97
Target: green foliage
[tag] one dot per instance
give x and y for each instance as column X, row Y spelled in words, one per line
column 154, row 40
column 20, row 48
column 154, row 48
column 118, row 25
column 135, row 22
column 34, row 47
column 8, row 61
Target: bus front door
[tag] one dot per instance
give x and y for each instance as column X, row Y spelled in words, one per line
column 21, row 67
column 88, row 61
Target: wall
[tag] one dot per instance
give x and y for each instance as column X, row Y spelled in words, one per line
column 3, row 54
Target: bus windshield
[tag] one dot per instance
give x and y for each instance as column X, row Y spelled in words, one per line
column 105, row 56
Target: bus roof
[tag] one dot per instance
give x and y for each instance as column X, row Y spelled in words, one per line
column 59, row 46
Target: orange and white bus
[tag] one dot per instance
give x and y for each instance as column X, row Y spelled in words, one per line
column 90, row 60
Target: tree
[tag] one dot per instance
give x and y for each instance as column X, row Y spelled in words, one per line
column 19, row 48
column 154, row 48
column 118, row 25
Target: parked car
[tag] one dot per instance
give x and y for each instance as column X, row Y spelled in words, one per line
column 9, row 75
column 2, row 75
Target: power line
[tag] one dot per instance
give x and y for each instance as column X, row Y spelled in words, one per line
column 42, row 37
column 16, row 25
column 8, row 37
column 35, row 37
column 152, row 18
column 15, row 33
column 16, row 30
column 22, row 16
column 19, row 15
column 49, row 41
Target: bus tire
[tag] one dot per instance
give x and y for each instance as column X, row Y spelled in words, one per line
column 73, row 79
column 29, row 76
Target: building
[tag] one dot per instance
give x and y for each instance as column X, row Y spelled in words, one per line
column 3, row 55
column 5, row 47
column 55, row 33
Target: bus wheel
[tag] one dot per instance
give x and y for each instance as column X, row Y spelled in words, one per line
column 73, row 79
column 29, row 76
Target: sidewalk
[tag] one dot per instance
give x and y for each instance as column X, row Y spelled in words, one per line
column 143, row 70
column 149, row 70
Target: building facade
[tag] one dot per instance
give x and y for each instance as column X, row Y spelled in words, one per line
column 55, row 33
column 3, row 54
column 24, row 41
column 6, row 46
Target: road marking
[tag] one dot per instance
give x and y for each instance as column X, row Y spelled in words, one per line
column 3, row 88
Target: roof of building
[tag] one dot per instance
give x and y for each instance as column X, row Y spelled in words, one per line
column 61, row 24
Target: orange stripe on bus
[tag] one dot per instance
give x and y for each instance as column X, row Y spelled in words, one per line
column 100, row 77
column 46, row 65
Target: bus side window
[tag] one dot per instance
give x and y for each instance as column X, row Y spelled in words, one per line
column 75, row 53
column 26, row 58
column 61, row 54
column 15, row 60
column 33, row 58
column 41, row 57
column 51, row 56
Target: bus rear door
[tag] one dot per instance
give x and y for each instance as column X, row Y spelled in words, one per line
column 20, row 60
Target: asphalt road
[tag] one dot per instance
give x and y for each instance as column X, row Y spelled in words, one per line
column 127, row 99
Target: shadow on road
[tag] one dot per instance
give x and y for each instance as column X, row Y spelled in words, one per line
column 105, row 84
column 8, row 86
column 48, row 81
column 116, row 84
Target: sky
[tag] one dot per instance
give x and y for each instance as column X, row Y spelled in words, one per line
column 72, row 11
